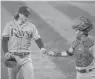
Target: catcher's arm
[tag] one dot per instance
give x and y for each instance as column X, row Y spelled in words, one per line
column 67, row 53
column 71, row 50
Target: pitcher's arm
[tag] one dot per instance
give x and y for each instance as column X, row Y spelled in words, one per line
column 5, row 44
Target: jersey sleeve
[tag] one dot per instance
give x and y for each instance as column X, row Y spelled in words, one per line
column 6, row 31
column 36, row 35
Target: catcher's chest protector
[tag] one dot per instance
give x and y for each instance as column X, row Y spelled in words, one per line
column 83, row 55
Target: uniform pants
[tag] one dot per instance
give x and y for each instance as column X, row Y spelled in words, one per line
column 25, row 64
column 89, row 75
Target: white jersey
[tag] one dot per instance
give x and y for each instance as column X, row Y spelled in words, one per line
column 20, row 36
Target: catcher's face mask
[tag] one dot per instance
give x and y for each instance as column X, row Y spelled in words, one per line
column 79, row 34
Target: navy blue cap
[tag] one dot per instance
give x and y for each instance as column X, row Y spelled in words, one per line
column 24, row 10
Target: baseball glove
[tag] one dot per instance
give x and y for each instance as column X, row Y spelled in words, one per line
column 11, row 62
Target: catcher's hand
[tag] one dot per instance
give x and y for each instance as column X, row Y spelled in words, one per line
column 9, row 60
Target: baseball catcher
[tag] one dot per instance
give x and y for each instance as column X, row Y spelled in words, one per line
column 82, row 48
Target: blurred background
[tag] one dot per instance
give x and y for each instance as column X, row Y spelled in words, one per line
column 53, row 20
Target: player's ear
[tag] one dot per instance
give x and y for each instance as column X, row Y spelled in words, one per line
column 16, row 16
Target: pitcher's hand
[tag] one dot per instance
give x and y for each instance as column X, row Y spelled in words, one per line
column 43, row 50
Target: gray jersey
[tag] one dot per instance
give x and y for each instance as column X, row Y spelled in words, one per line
column 20, row 36
column 83, row 51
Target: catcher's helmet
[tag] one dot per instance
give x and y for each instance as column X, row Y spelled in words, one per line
column 83, row 24
column 24, row 10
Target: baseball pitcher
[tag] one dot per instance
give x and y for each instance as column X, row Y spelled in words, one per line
column 16, row 42
column 82, row 48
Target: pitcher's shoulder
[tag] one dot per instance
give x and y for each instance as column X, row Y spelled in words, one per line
column 9, row 23
column 30, row 24
column 91, row 37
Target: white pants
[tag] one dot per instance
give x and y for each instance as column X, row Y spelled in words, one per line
column 25, row 64
column 89, row 75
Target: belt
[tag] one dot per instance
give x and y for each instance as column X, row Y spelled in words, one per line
column 21, row 54
column 85, row 70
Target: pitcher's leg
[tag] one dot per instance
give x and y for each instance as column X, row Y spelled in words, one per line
column 12, row 72
column 27, row 70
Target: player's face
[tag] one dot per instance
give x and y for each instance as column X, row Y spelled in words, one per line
column 79, row 34
column 22, row 18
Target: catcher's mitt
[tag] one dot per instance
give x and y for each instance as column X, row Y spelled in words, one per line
column 11, row 62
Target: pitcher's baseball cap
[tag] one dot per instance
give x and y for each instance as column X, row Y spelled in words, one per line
column 24, row 10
